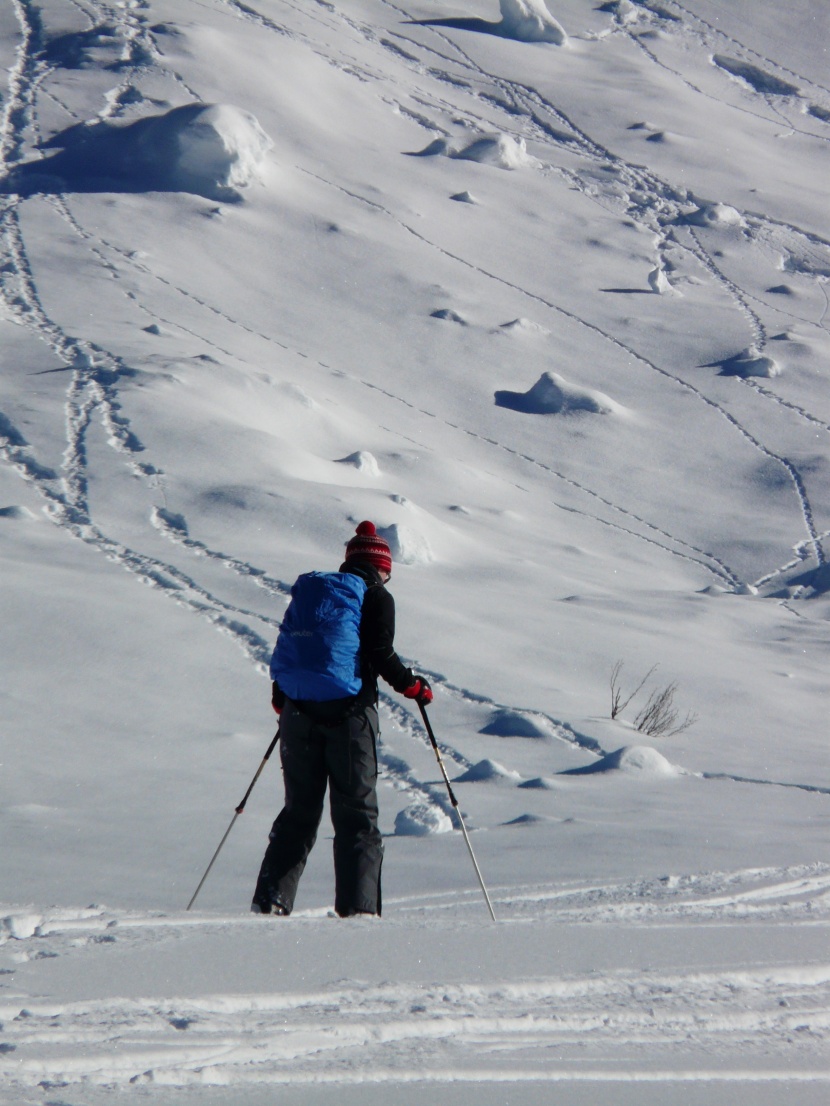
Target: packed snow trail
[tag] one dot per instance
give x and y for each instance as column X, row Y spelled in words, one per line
column 304, row 1021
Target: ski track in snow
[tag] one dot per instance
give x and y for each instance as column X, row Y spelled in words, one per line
column 94, row 372
column 751, row 1022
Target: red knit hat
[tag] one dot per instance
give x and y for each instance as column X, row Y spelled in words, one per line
column 368, row 546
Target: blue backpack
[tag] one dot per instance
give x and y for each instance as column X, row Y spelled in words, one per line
column 317, row 655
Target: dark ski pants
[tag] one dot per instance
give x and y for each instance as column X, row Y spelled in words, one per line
column 342, row 756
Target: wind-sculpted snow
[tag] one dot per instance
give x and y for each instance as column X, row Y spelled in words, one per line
column 530, row 21
column 553, row 395
column 212, row 150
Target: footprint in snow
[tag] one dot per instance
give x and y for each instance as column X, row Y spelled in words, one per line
column 448, row 315
column 756, row 78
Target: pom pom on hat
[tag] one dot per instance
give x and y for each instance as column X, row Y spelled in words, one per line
column 367, row 545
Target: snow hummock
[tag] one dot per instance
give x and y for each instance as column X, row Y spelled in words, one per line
column 714, row 215
column 501, row 150
column 659, row 282
column 363, row 461
column 216, row 145
column 207, row 149
column 17, row 512
column 639, row 759
column 553, row 395
column 511, row 723
column 751, row 362
column 408, row 546
column 422, row 820
column 487, row 770
column 522, row 326
column 21, row 926
column 624, row 10
column 530, row 21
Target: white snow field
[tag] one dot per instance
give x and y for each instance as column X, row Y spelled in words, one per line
column 573, row 362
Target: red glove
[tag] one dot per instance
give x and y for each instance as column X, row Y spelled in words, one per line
column 420, row 691
column 277, row 698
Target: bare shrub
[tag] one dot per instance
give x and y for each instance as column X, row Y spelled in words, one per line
column 618, row 703
column 659, row 717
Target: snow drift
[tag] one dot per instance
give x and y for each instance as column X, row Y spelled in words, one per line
column 639, row 759
column 553, row 395
column 530, row 21
column 500, row 150
column 750, row 362
column 212, row 150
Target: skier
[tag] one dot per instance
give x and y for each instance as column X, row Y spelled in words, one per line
column 331, row 741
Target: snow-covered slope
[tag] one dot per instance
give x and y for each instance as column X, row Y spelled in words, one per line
column 541, row 290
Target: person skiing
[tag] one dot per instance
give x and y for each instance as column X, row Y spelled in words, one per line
column 328, row 738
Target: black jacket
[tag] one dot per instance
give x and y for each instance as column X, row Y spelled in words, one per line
column 377, row 648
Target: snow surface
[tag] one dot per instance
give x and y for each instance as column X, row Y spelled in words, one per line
column 237, row 317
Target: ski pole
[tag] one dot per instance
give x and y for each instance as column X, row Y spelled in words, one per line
column 238, row 811
column 454, row 802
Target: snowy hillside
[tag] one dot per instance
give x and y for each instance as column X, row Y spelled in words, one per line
column 542, row 291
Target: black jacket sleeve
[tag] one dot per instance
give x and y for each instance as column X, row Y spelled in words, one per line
column 377, row 635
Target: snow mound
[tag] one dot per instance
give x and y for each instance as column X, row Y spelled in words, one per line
column 362, row 461
column 437, row 148
column 216, row 146
column 21, row 926
column 407, row 545
column 530, row 21
column 210, row 150
column 539, row 783
column 624, row 11
column 634, row 759
column 715, row 215
column 487, row 770
column 500, row 150
column 553, row 395
column 464, row 197
column 511, row 723
column 530, row 820
column 422, row 820
column 17, row 513
column 660, row 284
column 522, row 326
column 750, row 362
